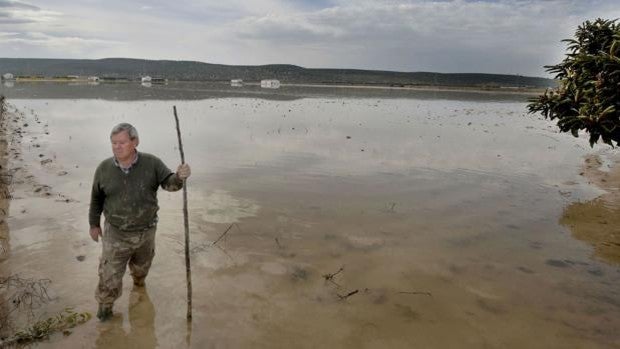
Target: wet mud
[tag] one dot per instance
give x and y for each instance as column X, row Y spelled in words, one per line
column 413, row 242
column 5, row 180
column 598, row 221
column 21, row 297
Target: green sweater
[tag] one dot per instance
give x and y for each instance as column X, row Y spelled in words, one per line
column 129, row 200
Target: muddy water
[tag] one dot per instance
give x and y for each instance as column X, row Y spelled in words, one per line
column 443, row 213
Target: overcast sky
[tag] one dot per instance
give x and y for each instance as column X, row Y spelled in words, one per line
column 471, row 36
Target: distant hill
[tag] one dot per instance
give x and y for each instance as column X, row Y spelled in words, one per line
column 199, row 71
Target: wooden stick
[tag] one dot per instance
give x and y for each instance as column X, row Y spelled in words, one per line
column 188, row 269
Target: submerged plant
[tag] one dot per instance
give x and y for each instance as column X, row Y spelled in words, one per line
column 588, row 96
column 44, row 328
column 24, row 296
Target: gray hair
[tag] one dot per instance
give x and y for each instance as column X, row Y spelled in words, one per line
column 131, row 131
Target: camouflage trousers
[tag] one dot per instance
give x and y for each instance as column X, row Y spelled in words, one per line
column 119, row 249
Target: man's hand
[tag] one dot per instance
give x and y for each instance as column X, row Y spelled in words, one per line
column 183, row 171
column 95, row 233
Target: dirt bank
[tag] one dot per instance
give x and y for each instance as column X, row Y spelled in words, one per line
column 4, row 208
column 597, row 222
column 4, row 181
column 24, row 297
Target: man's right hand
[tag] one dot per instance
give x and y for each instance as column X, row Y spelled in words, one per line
column 95, row 233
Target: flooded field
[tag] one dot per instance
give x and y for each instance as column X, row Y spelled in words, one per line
column 441, row 214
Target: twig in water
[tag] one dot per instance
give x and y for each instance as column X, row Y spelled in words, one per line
column 329, row 277
column 223, row 234
column 205, row 246
column 23, row 295
column 278, row 243
column 347, row 295
column 423, row 293
column 391, row 208
column 226, row 253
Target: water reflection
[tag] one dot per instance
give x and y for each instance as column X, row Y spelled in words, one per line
column 202, row 90
column 141, row 332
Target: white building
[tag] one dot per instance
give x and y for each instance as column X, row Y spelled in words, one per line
column 270, row 83
column 236, row 82
column 8, row 76
column 146, row 79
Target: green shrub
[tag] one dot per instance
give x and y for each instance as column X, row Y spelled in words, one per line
column 588, row 95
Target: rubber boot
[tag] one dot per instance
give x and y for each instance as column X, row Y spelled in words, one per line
column 138, row 281
column 104, row 312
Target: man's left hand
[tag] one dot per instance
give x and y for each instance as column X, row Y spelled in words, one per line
column 183, row 172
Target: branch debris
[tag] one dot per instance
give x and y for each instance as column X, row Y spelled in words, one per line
column 347, row 295
column 423, row 293
column 22, row 295
column 207, row 245
column 44, row 328
column 330, row 277
column 223, row 234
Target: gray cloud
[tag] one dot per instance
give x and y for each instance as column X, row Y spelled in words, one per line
column 42, row 39
column 29, row 31
column 472, row 36
column 421, row 20
column 17, row 4
column 492, row 36
column 7, row 18
column 36, row 44
column 18, row 12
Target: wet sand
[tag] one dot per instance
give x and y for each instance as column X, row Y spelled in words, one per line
column 598, row 221
column 443, row 251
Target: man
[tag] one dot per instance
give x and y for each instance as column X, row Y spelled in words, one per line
column 125, row 190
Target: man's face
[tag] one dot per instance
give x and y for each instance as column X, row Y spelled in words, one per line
column 122, row 146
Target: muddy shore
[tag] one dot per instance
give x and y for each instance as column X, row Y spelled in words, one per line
column 4, row 181
column 21, row 296
column 597, row 221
